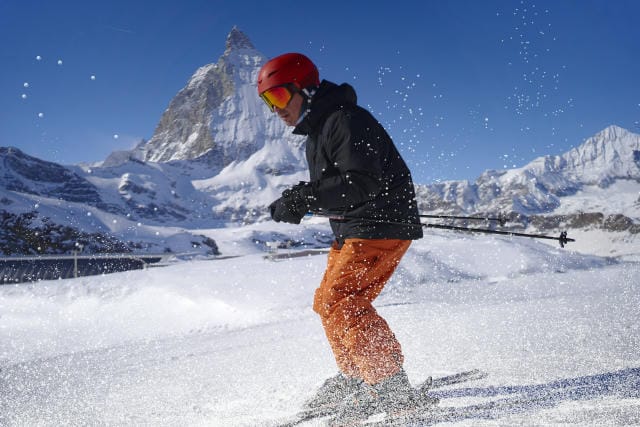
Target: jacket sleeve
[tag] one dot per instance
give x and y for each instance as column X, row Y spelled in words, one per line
column 354, row 144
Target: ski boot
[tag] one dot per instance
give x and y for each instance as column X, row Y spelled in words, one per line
column 331, row 393
column 394, row 396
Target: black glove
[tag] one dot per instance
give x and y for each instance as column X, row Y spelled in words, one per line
column 293, row 205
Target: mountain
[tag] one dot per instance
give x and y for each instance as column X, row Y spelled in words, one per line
column 238, row 155
column 49, row 208
column 218, row 157
column 601, row 176
column 25, row 174
column 218, row 112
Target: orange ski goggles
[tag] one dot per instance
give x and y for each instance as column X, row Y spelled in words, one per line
column 278, row 96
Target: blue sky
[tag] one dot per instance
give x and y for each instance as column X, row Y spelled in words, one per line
column 462, row 86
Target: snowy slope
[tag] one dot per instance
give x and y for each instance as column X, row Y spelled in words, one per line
column 234, row 342
column 129, row 203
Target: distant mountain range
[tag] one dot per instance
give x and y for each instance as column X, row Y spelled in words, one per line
column 218, row 158
column 595, row 183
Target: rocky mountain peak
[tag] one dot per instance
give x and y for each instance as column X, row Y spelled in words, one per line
column 612, row 133
column 613, row 153
column 214, row 110
column 218, row 126
column 237, row 40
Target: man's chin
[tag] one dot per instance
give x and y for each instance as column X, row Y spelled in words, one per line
column 287, row 120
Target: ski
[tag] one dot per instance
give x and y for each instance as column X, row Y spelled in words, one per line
column 430, row 410
column 422, row 388
column 472, row 375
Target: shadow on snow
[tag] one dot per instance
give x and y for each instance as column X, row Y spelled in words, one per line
column 516, row 399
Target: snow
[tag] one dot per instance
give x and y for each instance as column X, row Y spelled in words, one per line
column 621, row 197
column 621, row 245
column 233, row 341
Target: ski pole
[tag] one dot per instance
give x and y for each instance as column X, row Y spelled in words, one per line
column 501, row 218
column 562, row 239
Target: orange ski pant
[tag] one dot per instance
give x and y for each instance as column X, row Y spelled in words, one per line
column 362, row 342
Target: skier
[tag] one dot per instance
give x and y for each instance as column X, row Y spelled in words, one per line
column 356, row 172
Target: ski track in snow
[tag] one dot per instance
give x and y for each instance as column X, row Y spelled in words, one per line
column 234, row 342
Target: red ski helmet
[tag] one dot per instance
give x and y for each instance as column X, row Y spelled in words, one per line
column 288, row 68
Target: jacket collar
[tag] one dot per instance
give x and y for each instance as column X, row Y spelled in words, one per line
column 329, row 98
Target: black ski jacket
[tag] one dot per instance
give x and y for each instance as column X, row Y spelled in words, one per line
column 356, row 170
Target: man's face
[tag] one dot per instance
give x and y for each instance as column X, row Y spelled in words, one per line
column 291, row 112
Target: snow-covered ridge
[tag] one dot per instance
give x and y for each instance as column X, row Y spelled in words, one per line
column 611, row 154
column 547, row 183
